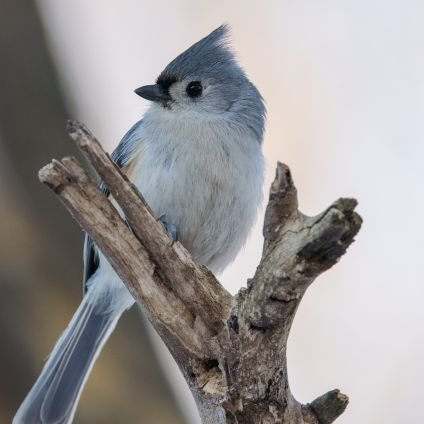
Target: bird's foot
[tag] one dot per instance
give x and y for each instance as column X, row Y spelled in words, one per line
column 170, row 227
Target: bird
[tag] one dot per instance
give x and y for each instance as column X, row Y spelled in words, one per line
column 196, row 157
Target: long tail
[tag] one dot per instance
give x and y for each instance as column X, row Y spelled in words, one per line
column 54, row 396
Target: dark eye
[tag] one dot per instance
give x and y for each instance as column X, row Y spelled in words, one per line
column 194, row 89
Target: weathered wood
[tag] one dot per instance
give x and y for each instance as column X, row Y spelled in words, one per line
column 96, row 215
column 197, row 287
column 231, row 350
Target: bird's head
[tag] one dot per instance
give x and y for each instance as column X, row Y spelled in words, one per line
column 206, row 82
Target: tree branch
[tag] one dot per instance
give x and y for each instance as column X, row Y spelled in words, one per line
column 197, row 287
column 101, row 220
column 231, row 350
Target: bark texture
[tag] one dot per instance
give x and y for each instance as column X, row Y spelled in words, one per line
column 231, row 349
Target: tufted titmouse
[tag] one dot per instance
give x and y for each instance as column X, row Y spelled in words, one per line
column 196, row 158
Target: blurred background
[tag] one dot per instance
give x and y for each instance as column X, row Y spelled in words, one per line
column 344, row 87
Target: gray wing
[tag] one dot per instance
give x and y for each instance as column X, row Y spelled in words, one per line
column 120, row 156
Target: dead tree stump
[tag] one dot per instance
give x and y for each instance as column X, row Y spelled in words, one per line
column 230, row 349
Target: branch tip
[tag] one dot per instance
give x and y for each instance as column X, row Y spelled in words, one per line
column 345, row 204
column 72, row 127
column 329, row 406
column 54, row 175
column 79, row 133
column 282, row 204
column 44, row 172
column 283, row 179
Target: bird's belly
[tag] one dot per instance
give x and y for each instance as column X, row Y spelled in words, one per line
column 213, row 203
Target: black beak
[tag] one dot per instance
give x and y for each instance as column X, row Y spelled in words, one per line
column 153, row 92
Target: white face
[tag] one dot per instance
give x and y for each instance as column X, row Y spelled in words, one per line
column 196, row 96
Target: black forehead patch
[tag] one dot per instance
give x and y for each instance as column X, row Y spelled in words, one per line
column 165, row 81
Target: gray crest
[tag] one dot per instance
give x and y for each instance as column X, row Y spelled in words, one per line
column 209, row 57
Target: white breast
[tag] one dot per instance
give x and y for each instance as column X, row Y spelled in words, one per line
column 205, row 176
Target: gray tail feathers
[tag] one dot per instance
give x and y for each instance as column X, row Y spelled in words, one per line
column 54, row 396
